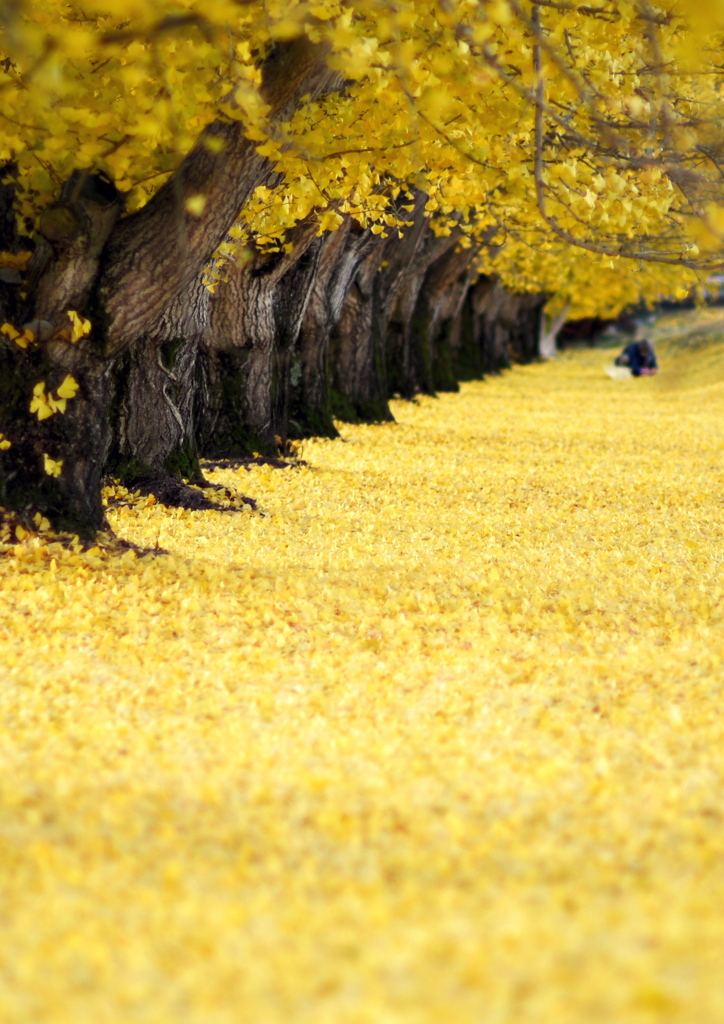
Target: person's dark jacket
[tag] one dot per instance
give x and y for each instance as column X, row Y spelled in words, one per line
column 636, row 361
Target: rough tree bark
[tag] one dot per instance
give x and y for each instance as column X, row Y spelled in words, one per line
column 494, row 328
column 157, row 428
column 245, row 365
column 60, row 277
column 342, row 254
column 154, row 429
column 357, row 359
column 359, row 345
column 487, row 349
column 438, row 304
column 472, row 334
column 138, row 280
column 158, row 252
column 10, row 277
column 409, row 362
column 493, row 335
column 521, row 316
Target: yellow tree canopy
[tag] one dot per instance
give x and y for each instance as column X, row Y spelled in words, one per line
column 542, row 127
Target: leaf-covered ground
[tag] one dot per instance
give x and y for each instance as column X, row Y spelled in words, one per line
column 435, row 735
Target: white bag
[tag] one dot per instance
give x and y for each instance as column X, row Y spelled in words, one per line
column 619, row 372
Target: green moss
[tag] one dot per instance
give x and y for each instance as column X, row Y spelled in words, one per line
column 467, row 359
column 349, row 411
column 169, row 352
column 184, row 463
column 308, row 422
column 443, row 373
column 126, row 467
column 235, row 440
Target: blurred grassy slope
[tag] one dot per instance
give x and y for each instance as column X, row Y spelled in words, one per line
column 690, row 348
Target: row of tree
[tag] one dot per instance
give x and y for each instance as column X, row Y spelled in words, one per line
column 291, row 340
column 225, row 224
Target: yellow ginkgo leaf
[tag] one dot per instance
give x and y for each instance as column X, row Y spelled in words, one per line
column 10, row 331
column 51, row 467
column 41, row 522
column 68, row 388
column 80, row 327
column 40, row 404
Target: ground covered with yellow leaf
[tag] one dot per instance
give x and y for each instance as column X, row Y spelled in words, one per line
column 434, row 735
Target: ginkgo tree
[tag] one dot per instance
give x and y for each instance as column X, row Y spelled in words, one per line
column 219, row 217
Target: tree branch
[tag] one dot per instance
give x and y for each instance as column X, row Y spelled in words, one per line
column 156, row 253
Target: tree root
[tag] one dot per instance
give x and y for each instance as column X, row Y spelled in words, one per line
column 247, row 461
column 174, row 493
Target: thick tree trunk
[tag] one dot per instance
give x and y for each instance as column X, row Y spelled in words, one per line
column 157, row 253
column 76, row 440
column 438, row 305
column 549, row 328
column 138, row 281
column 10, row 277
column 157, row 429
column 493, row 329
column 365, row 347
column 359, row 392
column 246, row 361
column 466, row 337
column 521, row 314
column 60, row 277
column 409, row 345
column 343, row 251
column 154, row 432
column 492, row 336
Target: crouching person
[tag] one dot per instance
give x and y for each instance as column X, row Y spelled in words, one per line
column 640, row 357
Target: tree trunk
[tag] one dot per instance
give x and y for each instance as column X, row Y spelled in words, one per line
column 522, row 314
column 409, row 349
column 493, row 341
column 549, row 328
column 441, row 296
column 342, row 253
column 10, row 276
column 60, row 277
column 154, row 433
column 246, row 362
column 360, row 363
column 77, row 440
column 384, row 342
column 465, row 335
column 138, row 279
column 157, row 253
column 157, row 427
column 357, row 351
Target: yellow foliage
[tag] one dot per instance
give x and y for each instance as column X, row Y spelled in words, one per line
column 435, row 735
column 21, row 338
column 14, row 260
column 437, row 97
column 44, row 404
column 68, row 388
column 51, row 467
column 80, row 327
